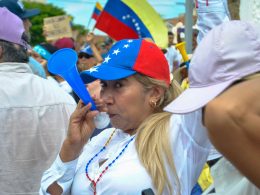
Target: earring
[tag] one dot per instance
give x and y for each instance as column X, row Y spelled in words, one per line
column 153, row 103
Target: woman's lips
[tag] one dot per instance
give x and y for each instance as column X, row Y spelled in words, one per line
column 111, row 115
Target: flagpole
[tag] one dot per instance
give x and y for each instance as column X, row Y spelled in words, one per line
column 93, row 28
column 89, row 22
column 91, row 16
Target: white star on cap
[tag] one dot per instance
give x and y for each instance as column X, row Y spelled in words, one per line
column 130, row 41
column 93, row 69
column 116, row 51
column 126, row 46
column 107, row 59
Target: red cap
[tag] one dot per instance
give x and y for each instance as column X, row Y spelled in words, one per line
column 64, row 43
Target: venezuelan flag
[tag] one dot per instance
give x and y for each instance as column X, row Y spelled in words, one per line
column 97, row 10
column 131, row 19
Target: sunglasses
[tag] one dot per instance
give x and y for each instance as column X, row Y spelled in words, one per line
column 84, row 55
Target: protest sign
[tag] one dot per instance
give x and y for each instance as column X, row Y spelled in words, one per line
column 57, row 27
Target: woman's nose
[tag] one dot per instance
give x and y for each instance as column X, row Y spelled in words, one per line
column 107, row 97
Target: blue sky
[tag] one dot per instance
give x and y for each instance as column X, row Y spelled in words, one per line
column 81, row 10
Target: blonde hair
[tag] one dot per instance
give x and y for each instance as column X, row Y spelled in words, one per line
column 152, row 140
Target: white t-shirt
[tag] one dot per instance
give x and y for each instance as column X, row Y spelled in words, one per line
column 172, row 55
column 127, row 176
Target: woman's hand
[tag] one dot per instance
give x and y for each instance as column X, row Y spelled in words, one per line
column 81, row 127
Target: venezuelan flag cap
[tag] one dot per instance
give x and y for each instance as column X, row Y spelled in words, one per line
column 128, row 57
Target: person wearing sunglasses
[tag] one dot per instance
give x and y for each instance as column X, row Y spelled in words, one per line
column 89, row 56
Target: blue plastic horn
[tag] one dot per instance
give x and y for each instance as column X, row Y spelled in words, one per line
column 63, row 63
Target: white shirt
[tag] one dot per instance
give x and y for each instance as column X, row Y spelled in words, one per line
column 209, row 16
column 127, row 176
column 65, row 86
column 172, row 55
column 34, row 115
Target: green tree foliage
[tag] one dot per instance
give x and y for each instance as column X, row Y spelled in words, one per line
column 47, row 10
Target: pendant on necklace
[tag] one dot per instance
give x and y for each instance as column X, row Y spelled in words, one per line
column 92, row 186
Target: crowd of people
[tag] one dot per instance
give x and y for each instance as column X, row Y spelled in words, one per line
column 176, row 126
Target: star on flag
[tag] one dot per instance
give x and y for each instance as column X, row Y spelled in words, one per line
column 126, row 46
column 116, row 51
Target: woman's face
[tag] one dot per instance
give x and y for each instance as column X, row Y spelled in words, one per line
column 127, row 102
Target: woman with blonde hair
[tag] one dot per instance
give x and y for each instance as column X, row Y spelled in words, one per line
column 147, row 148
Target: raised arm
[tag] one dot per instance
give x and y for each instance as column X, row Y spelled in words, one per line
column 90, row 40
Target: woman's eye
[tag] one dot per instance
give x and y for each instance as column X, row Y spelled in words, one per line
column 103, row 85
column 118, row 85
